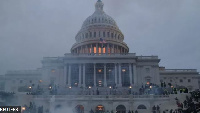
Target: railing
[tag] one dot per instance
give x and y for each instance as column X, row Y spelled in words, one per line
column 147, row 57
column 24, row 72
column 93, row 54
column 179, row 70
column 103, row 96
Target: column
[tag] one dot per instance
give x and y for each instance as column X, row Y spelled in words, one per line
column 115, row 74
column 135, row 75
column 87, row 49
column 113, row 48
column 95, row 75
column 107, row 45
column 79, row 83
column 117, row 50
column 65, row 75
column 81, row 49
column 120, row 75
column 105, row 81
column 92, row 49
column 97, row 47
column 69, row 76
column 83, row 75
column 102, row 48
column 130, row 75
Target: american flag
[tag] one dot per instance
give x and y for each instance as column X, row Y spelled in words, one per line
column 102, row 40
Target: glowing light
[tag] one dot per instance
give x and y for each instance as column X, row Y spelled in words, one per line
column 130, row 87
column 150, row 86
column 53, row 70
column 109, row 70
column 50, row 87
column 172, row 86
column 123, row 70
column 70, row 87
column 23, row 108
column 75, row 83
column 99, row 70
column 110, row 87
column 29, row 87
column 90, row 87
column 148, row 83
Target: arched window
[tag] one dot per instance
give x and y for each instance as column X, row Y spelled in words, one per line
column 100, row 108
column 79, row 109
column 121, row 109
column 141, row 107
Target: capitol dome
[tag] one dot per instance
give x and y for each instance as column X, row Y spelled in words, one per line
column 99, row 34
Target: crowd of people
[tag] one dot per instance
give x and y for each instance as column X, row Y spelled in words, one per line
column 190, row 104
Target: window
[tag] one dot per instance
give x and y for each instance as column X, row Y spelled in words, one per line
column 147, row 70
column 86, row 35
column 181, row 80
column 108, row 34
column 104, row 34
column 90, row 34
column 94, row 34
column 112, row 35
column 189, row 80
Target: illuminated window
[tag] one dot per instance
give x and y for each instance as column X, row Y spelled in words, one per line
column 99, row 50
column 95, row 50
column 99, row 108
column 90, row 50
column 104, row 50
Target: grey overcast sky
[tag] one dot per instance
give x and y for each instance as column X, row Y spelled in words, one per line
column 33, row 29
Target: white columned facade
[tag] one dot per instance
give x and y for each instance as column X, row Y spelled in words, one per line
column 79, row 83
column 83, row 75
column 69, row 76
column 65, row 75
column 95, row 75
column 135, row 75
column 130, row 75
column 115, row 74
column 120, row 75
column 105, row 81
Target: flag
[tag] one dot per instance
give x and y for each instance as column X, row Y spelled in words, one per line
column 102, row 40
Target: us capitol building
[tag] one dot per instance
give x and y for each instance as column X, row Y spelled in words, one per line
column 98, row 75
